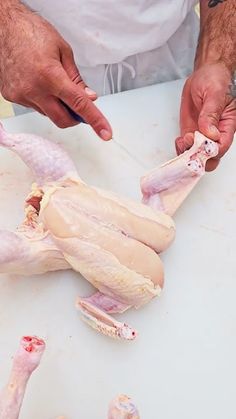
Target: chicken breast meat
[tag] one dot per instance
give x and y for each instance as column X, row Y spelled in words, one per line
column 113, row 242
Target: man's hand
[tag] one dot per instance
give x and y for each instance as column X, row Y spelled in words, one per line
column 206, row 104
column 208, row 107
column 37, row 70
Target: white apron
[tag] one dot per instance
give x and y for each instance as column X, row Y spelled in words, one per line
column 124, row 44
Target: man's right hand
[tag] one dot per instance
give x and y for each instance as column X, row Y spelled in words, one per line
column 37, row 70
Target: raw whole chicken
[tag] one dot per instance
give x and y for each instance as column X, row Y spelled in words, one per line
column 112, row 241
column 26, row 360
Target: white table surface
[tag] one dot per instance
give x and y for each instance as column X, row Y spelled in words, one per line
column 183, row 364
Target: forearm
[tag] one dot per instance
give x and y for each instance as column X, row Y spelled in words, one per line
column 217, row 40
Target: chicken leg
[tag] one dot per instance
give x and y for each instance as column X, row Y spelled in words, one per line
column 122, row 407
column 47, row 161
column 29, row 252
column 166, row 187
column 25, row 362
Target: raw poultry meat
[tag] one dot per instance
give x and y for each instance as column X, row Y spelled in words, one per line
column 112, row 241
column 122, row 407
column 166, row 187
column 25, row 362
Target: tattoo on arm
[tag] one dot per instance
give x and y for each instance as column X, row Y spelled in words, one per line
column 217, row 40
column 213, row 3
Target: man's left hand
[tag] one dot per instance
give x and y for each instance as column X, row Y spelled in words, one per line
column 208, row 107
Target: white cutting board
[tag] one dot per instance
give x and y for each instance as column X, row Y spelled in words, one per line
column 183, row 363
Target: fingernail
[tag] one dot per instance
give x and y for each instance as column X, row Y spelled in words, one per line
column 90, row 92
column 105, row 135
column 213, row 131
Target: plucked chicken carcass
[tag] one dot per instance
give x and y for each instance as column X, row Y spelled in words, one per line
column 112, row 241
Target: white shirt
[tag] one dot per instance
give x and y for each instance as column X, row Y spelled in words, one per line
column 157, row 38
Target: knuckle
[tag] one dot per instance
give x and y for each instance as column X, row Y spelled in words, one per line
column 213, row 116
column 50, row 78
column 77, row 79
column 21, row 94
column 82, row 104
column 49, row 70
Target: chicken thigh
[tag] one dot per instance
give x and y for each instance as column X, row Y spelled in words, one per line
column 112, row 241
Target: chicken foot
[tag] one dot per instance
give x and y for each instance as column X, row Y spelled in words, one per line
column 25, row 362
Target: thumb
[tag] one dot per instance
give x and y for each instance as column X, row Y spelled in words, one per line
column 68, row 63
column 209, row 117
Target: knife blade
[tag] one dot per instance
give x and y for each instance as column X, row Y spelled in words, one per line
column 74, row 115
